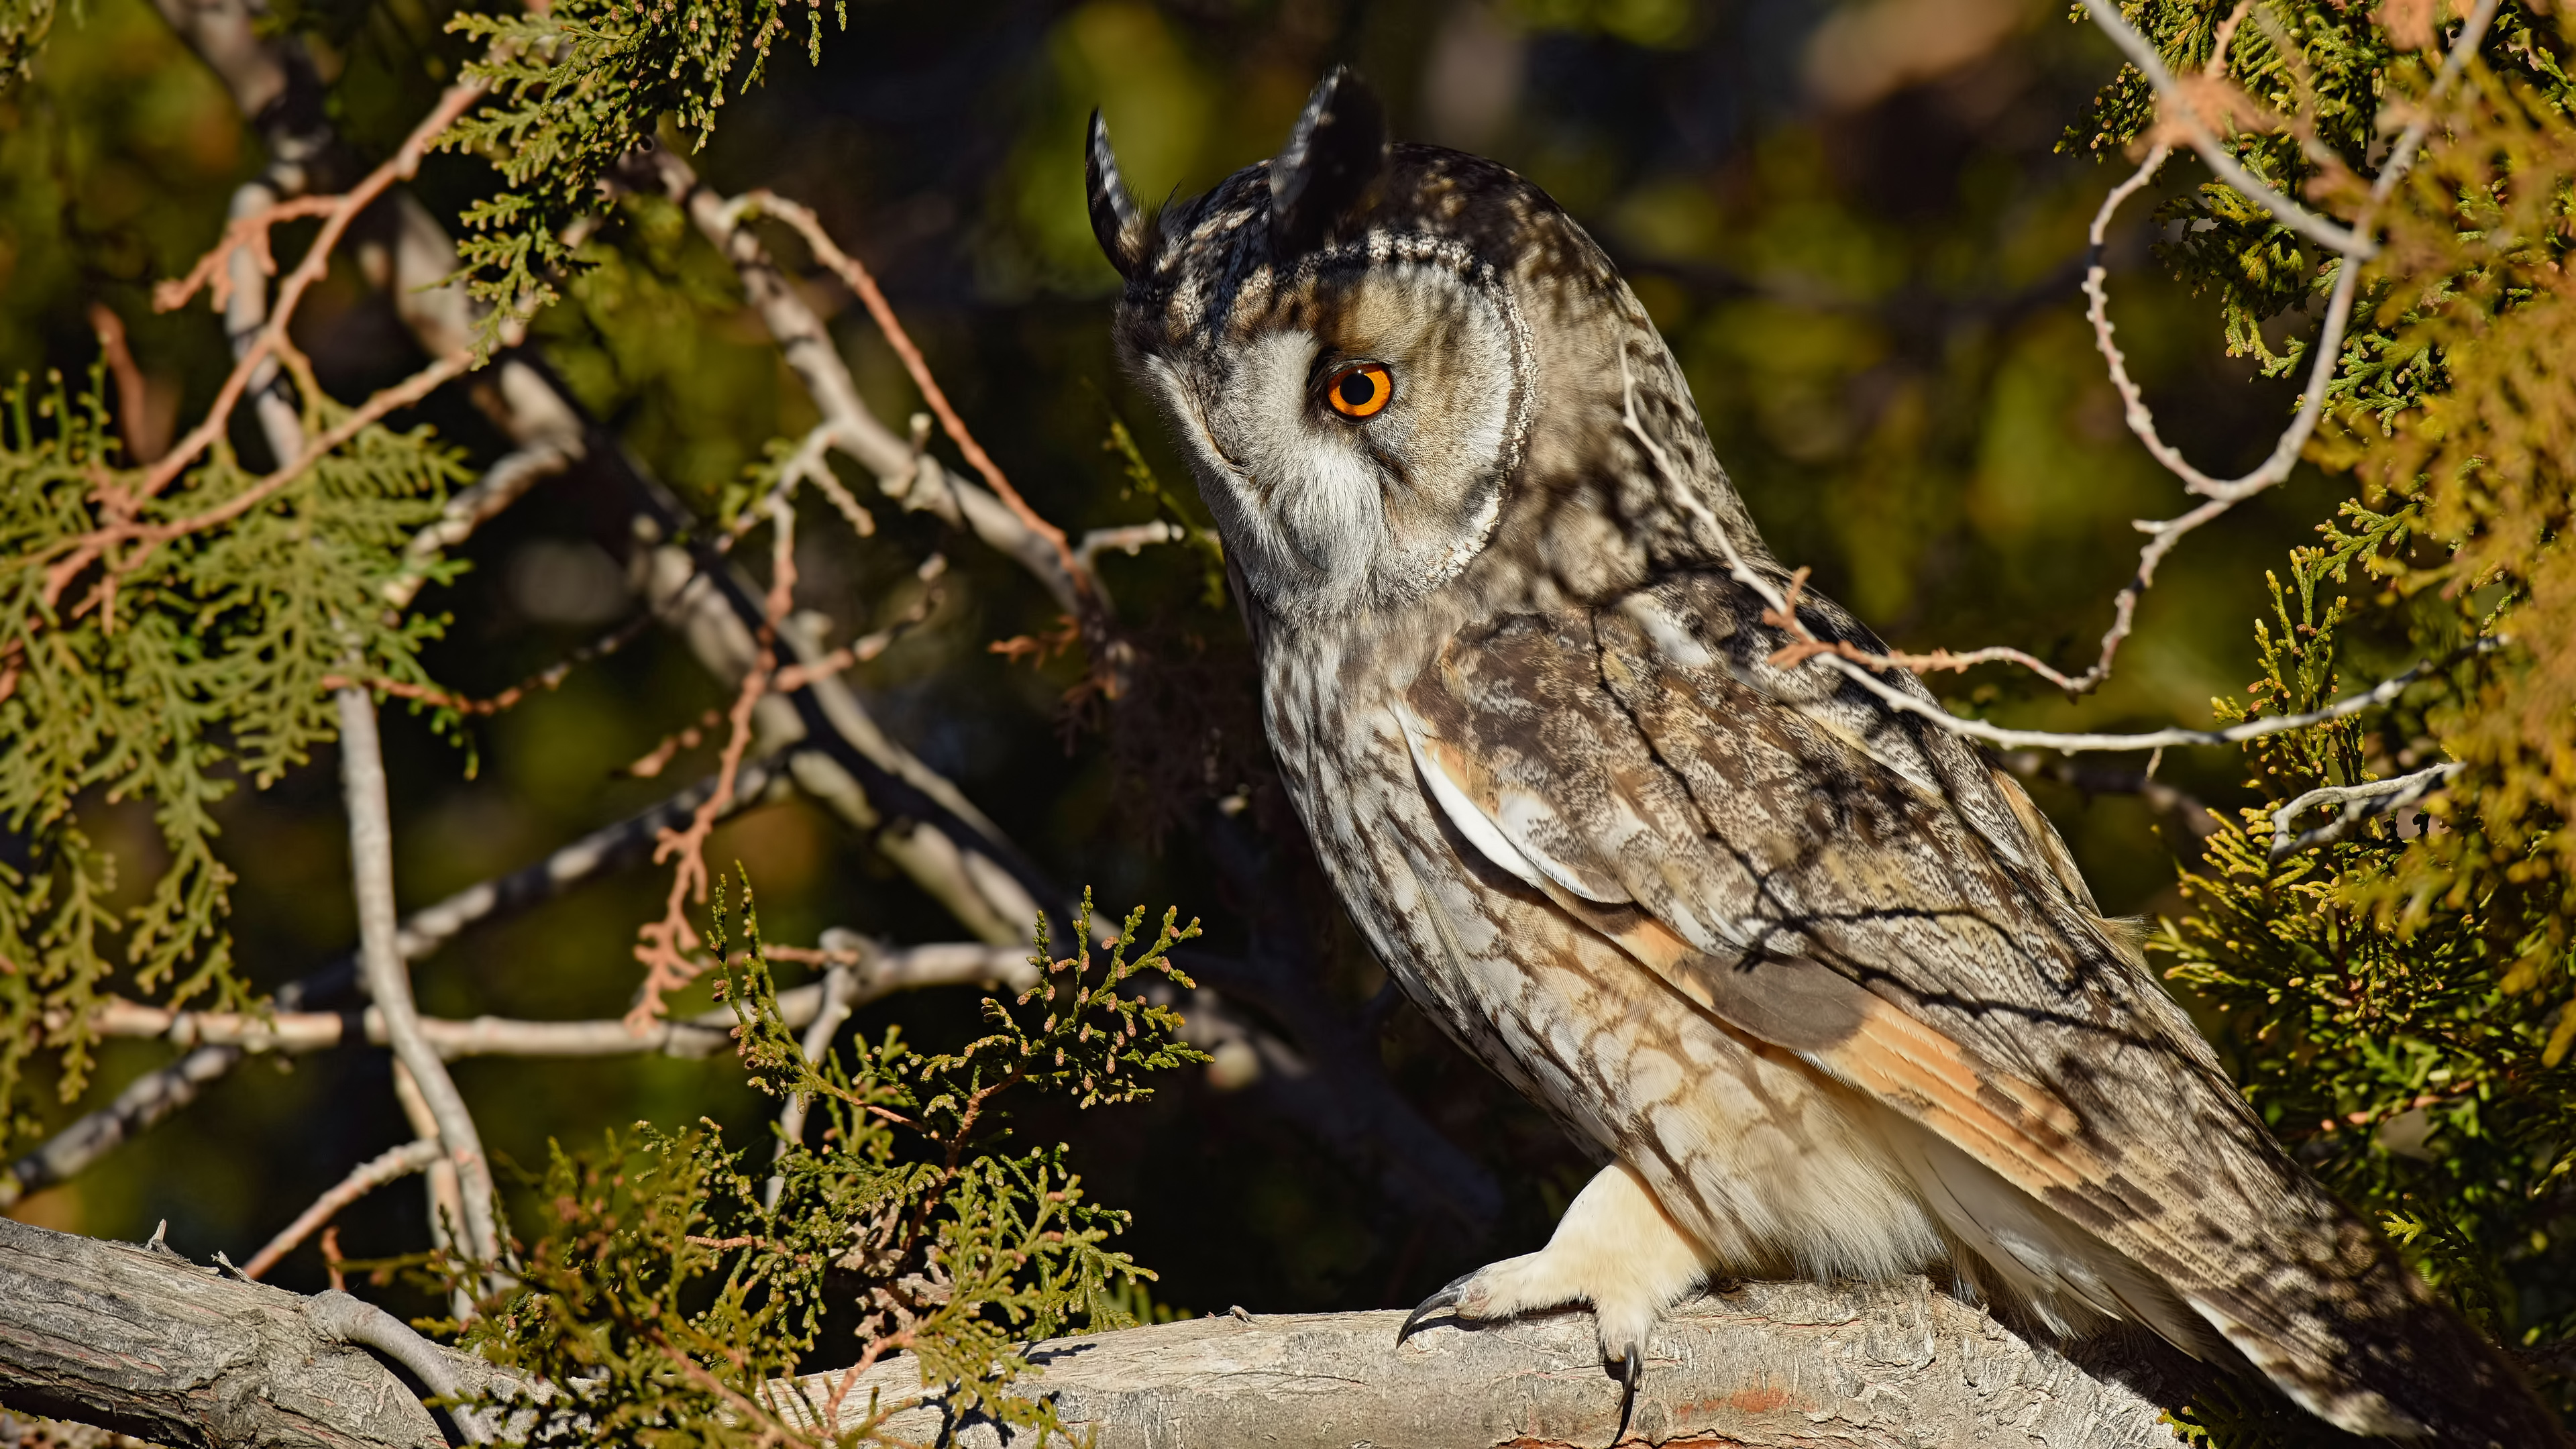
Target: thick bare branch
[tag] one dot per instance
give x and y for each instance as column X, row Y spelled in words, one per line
column 134, row 1340
column 149, row 1344
column 1760, row 1364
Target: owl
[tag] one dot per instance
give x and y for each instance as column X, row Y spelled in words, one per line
column 1811, row 972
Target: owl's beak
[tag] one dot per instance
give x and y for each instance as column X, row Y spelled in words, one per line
column 1115, row 222
column 1331, row 166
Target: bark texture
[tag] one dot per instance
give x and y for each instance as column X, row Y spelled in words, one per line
column 1762, row 1364
column 149, row 1344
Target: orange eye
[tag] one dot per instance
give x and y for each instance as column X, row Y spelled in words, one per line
column 1360, row 390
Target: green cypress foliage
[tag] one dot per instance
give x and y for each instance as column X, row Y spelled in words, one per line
column 167, row 647
column 2400, row 1001
column 665, row 1288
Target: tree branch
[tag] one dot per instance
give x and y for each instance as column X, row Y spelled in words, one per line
column 365, row 1178
column 2360, row 802
column 885, row 972
column 388, row 977
column 2179, row 112
column 151, row 1345
column 148, row 1343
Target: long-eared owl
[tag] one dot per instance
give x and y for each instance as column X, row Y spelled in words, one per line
column 1811, row 971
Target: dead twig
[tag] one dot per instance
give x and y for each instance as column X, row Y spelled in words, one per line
column 666, row 947
column 849, row 269
column 365, row 1178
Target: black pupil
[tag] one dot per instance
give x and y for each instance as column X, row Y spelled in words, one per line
column 1358, row 389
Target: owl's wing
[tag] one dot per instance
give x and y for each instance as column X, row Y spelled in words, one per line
column 1862, row 889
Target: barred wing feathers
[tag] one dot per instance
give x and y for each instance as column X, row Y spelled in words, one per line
column 1846, row 884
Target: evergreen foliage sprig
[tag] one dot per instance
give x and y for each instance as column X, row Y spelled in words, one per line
column 576, row 86
column 170, row 673
column 667, row 1291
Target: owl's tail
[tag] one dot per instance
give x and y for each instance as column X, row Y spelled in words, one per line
column 2350, row 1333
column 2316, row 1301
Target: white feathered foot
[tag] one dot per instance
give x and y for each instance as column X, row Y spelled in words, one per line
column 1615, row 1250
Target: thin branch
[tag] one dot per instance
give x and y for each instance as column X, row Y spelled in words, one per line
column 876, row 641
column 2360, row 802
column 764, row 202
column 371, row 855
column 2327, row 353
column 501, row 485
column 665, row 946
column 884, row 972
column 1804, row 645
column 133, row 398
column 365, row 1178
column 156, row 1094
column 840, row 988
column 401, row 166
column 2178, row 111
column 444, row 1191
column 245, row 235
column 1129, row 540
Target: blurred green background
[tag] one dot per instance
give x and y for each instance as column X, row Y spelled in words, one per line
column 1854, row 223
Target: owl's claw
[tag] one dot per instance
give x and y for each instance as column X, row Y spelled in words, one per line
column 1447, row 1297
column 1630, row 1368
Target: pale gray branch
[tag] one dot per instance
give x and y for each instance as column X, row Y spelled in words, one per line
column 504, row 483
column 388, row 978
column 1757, row 1365
column 150, row 1344
column 2360, row 802
column 885, row 972
column 2177, row 109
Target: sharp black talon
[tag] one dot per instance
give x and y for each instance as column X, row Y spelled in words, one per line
column 1445, row 1298
column 1632, row 1367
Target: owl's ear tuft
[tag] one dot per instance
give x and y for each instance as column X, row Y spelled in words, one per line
column 1115, row 222
column 1330, row 167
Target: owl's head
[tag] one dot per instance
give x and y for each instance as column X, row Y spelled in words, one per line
column 1367, row 349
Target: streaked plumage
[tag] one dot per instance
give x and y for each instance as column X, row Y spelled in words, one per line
column 1814, row 972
